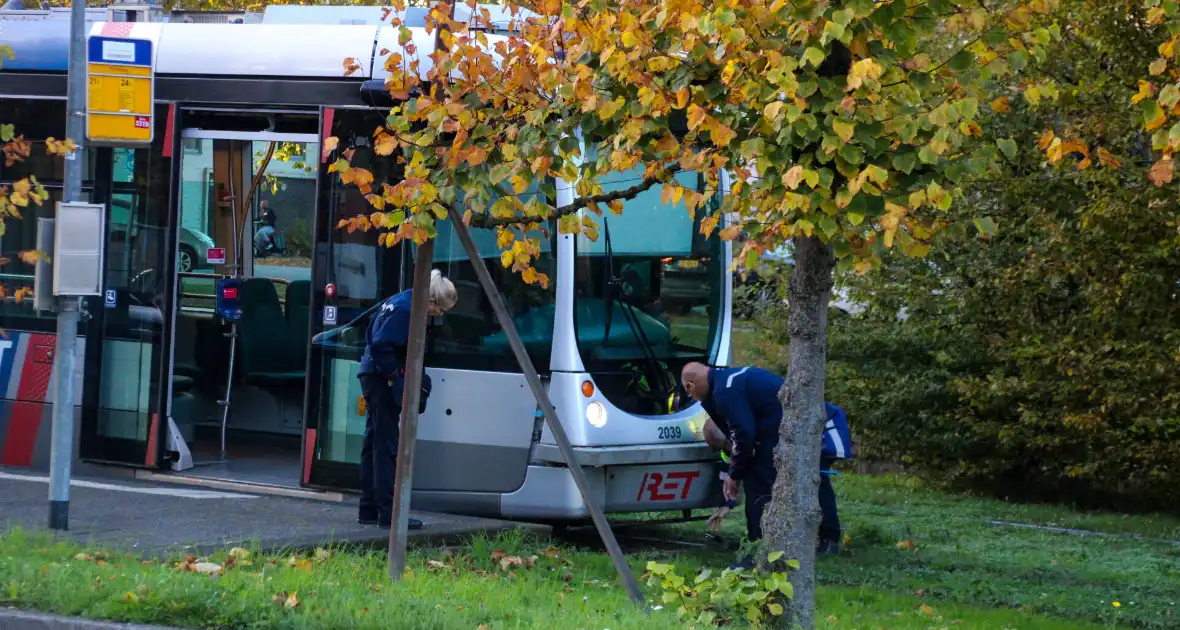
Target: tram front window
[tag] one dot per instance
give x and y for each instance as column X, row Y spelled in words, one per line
column 648, row 296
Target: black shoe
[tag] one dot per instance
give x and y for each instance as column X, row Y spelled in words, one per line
column 366, row 518
column 828, row 548
column 413, row 524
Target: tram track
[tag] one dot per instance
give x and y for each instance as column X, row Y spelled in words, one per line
column 645, row 537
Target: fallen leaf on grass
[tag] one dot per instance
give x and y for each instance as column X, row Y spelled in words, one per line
column 207, row 568
column 483, row 626
column 84, row 556
column 435, row 564
column 551, row 552
column 286, row 600
column 926, row 610
column 238, row 553
column 322, row 555
column 130, row 598
column 907, row 545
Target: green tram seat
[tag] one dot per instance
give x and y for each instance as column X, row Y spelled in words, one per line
column 270, row 350
column 298, row 313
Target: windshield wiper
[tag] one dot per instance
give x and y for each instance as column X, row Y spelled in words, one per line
column 611, row 284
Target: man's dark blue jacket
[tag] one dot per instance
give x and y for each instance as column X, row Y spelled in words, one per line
column 385, row 343
column 743, row 402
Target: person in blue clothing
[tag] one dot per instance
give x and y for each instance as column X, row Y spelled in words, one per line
column 382, row 375
column 743, row 404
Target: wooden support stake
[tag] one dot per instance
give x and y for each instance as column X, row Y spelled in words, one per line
column 408, row 435
column 542, row 396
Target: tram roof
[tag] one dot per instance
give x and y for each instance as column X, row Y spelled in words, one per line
column 290, row 42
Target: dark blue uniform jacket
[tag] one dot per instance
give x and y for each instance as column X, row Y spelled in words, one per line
column 385, row 345
column 743, row 402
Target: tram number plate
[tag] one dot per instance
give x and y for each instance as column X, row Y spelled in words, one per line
column 669, row 433
column 666, row 486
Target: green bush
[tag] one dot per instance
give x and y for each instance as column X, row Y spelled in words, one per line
column 1044, row 362
column 729, row 596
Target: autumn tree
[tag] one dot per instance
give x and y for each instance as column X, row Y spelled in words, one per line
column 846, row 128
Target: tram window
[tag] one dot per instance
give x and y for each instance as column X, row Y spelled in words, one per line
column 648, row 294
column 469, row 337
column 362, row 271
column 36, row 120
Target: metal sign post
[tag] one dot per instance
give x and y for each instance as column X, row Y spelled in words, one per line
column 61, row 454
column 542, row 396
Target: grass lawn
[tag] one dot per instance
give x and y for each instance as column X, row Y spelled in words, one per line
column 955, row 571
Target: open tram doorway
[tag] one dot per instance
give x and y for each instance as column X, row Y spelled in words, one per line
column 246, row 208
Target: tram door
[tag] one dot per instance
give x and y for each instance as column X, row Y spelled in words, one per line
column 246, row 212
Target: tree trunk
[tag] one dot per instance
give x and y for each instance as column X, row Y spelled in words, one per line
column 791, row 521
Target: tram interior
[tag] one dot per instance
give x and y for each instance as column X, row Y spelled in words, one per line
column 266, row 394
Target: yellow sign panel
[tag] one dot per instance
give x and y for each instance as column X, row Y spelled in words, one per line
column 120, row 90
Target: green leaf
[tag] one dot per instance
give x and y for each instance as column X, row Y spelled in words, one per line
column 854, row 219
column 961, row 62
column 986, row 226
column 704, row 575
column 1169, row 96
column 499, row 173
column 793, row 563
column 7, row 132
column 814, row 56
column 775, row 609
column 1008, row 147
column 787, row 589
column 905, row 162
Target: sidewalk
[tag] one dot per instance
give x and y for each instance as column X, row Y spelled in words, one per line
column 162, row 519
column 13, row 619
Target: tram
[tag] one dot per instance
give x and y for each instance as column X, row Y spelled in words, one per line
column 609, row 335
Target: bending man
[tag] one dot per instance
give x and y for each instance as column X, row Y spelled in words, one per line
column 745, row 415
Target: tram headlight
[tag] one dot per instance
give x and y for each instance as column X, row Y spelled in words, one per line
column 596, row 414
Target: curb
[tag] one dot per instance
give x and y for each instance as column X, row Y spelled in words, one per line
column 13, row 619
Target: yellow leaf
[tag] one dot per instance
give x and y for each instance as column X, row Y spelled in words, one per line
column 1156, row 122
column 607, row 110
column 682, row 97
column 385, row 144
column 773, row 110
column 906, row 545
column 1001, row 105
column 971, row 128
column 529, row 275
column 843, row 129
column 696, row 115
column 330, row 145
column 1146, row 90
column 1158, row 66
column 506, row 259
column 722, row 135
column 730, row 233
column 1107, row 159
column 1033, row 95
column 519, row 183
column 1046, row 139
column 926, row 610
column 1161, row 172
column 792, row 177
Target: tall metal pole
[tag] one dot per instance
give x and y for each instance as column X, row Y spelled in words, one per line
column 64, row 357
column 399, row 525
column 542, row 396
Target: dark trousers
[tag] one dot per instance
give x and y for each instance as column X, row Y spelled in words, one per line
column 383, row 407
column 761, row 482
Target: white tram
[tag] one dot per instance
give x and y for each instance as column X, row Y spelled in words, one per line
column 609, row 335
